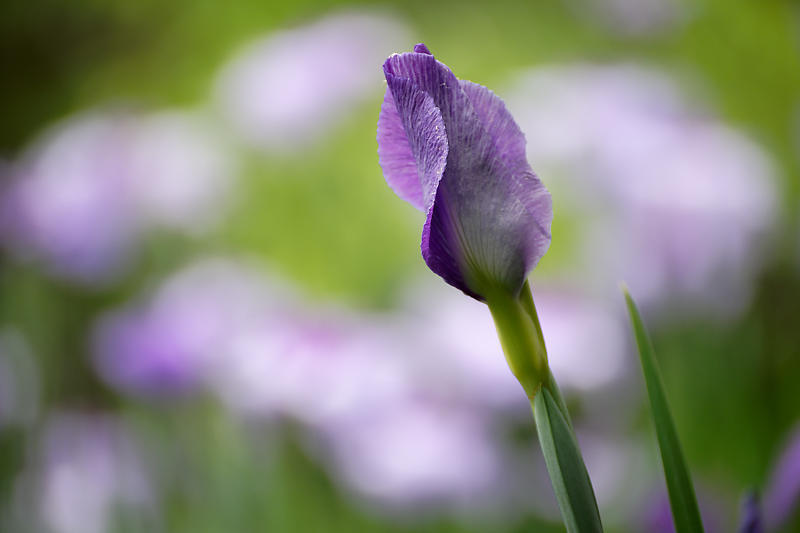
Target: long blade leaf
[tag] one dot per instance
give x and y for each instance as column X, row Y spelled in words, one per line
column 682, row 498
column 565, row 466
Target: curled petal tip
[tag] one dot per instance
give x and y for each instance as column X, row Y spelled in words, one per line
column 420, row 48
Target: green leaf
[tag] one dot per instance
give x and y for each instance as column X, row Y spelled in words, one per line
column 559, row 399
column 565, row 465
column 679, row 483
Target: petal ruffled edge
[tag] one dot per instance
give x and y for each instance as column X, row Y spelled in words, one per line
column 425, row 140
column 395, row 155
column 420, row 48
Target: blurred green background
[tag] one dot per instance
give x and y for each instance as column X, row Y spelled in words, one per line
column 322, row 218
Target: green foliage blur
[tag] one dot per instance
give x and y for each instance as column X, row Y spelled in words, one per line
column 331, row 225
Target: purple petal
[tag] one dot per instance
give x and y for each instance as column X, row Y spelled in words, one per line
column 441, row 248
column 508, row 138
column 490, row 219
column 508, row 150
column 412, row 148
column 420, row 48
column 435, row 79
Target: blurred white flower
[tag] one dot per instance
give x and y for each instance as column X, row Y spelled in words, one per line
column 180, row 170
column 288, row 88
column 80, row 198
column 620, row 469
column 89, row 469
column 633, row 17
column 586, row 340
column 668, row 199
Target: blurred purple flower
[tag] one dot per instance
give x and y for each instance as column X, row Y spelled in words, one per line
column 168, row 345
column 468, row 362
column 450, row 148
column 586, row 344
column 782, row 496
column 658, row 514
column 751, row 520
column 416, row 452
column 68, row 204
column 316, row 367
column 400, row 430
column 270, row 91
column 222, row 325
column 149, row 353
column 80, row 198
column 688, row 225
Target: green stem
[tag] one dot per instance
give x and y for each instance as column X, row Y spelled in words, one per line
column 526, row 298
column 522, row 340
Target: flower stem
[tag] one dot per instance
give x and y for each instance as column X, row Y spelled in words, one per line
column 521, row 336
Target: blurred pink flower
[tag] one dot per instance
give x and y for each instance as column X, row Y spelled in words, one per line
column 288, row 88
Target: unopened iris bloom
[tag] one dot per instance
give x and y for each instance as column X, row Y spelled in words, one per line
column 450, row 148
